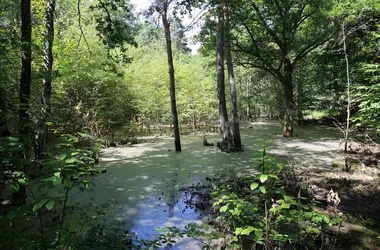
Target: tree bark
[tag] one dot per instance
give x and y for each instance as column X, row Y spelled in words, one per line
column 48, row 55
column 47, row 78
column 347, row 129
column 4, row 131
column 171, row 75
column 249, row 97
column 300, row 97
column 287, row 84
column 223, row 117
column 26, row 64
column 231, row 76
column 24, row 94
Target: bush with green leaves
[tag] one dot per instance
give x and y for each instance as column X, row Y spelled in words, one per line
column 265, row 215
column 46, row 184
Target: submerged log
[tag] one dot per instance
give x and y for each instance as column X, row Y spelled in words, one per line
column 205, row 143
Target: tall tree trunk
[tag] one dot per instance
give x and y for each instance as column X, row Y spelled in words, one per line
column 171, row 75
column 223, row 117
column 24, row 95
column 48, row 55
column 26, row 64
column 4, row 131
column 249, row 98
column 347, row 129
column 300, row 97
column 231, row 76
column 287, row 84
column 47, row 79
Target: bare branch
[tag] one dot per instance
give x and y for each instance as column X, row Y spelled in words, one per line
column 80, row 27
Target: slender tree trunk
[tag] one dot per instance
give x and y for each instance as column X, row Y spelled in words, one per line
column 347, row 130
column 4, row 131
column 47, row 79
column 223, row 117
column 24, row 94
column 48, row 55
column 300, row 97
column 171, row 75
column 26, row 70
column 287, row 84
column 249, row 101
column 231, row 76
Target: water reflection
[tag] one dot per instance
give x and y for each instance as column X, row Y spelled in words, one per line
column 145, row 179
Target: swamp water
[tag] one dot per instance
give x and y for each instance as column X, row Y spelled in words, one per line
column 143, row 181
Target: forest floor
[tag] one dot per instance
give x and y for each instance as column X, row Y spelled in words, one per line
column 314, row 154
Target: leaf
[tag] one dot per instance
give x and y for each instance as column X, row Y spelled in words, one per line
column 263, row 190
column 68, row 183
column 83, row 134
column 238, row 230
column 248, row 230
column 57, row 181
column 287, row 198
column 257, row 155
column 13, row 139
column 50, row 204
column 259, row 234
column 71, row 160
column 263, row 178
column 39, row 204
column 273, row 176
column 12, row 214
column 284, row 205
column 15, row 187
column 61, row 157
column 95, row 149
column 223, row 209
column 22, row 181
column 254, row 185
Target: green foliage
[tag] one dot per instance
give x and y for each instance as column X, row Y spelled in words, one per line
column 114, row 22
column 168, row 236
column 148, row 79
column 367, row 92
column 44, row 180
column 267, row 215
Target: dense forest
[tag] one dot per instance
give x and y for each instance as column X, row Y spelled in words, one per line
column 82, row 79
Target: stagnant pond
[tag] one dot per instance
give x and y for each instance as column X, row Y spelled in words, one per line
column 143, row 181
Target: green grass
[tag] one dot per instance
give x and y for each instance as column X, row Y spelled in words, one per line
column 319, row 114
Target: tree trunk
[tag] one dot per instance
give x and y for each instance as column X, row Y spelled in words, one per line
column 300, row 97
column 24, row 94
column 287, row 84
column 249, row 101
column 347, row 129
column 46, row 82
column 4, row 131
column 231, row 76
column 194, row 123
column 48, row 55
column 26, row 64
column 171, row 75
column 223, row 117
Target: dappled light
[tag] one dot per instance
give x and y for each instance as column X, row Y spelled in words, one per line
column 185, row 124
column 145, row 178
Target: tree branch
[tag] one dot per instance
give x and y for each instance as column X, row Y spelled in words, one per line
column 309, row 48
column 80, row 27
column 265, row 24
